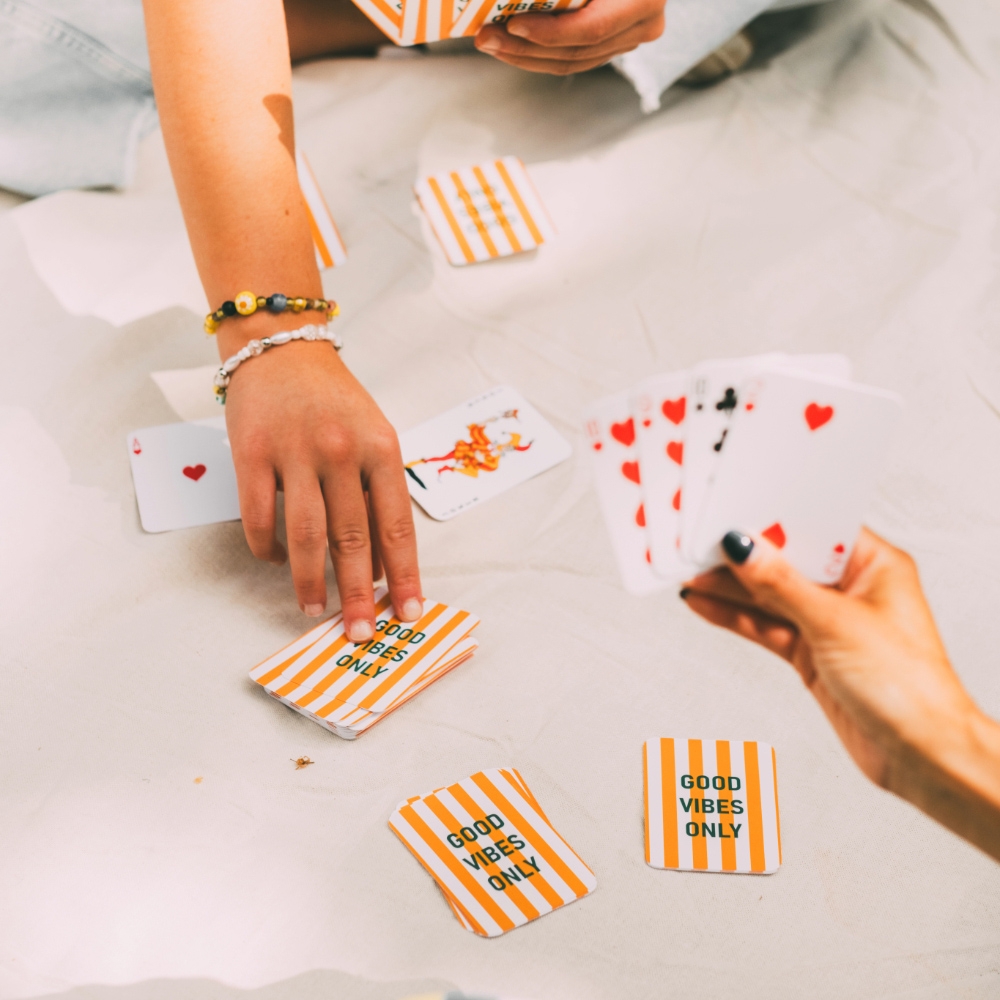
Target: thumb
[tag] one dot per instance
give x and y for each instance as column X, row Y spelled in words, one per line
column 776, row 586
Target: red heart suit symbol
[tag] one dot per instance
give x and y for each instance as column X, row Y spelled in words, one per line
column 675, row 451
column 630, row 470
column 839, row 549
column 640, row 516
column 817, row 415
column 673, row 409
column 775, row 535
column 194, row 472
column 624, row 432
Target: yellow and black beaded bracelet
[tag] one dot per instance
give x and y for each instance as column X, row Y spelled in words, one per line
column 246, row 304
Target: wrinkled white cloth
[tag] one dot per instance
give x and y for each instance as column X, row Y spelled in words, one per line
column 842, row 198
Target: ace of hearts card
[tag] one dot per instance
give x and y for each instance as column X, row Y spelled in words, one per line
column 183, row 475
column 478, row 450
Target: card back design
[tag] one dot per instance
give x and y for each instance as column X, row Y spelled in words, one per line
column 478, row 450
column 413, row 22
column 347, row 687
column 492, row 851
column 330, row 251
column 486, row 211
column 711, row 805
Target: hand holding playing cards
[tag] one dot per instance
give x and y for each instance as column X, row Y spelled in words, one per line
column 573, row 42
column 871, row 655
column 299, row 419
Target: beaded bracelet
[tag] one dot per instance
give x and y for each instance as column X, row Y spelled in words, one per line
column 256, row 347
column 246, row 304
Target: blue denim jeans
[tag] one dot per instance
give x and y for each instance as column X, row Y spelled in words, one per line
column 75, row 93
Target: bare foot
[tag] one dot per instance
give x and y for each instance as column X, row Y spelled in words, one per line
column 318, row 28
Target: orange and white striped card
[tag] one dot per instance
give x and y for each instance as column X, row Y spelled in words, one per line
column 711, row 806
column 483, row 212
column 412, row 22
column 492, row 851
column 348, row 687
column 329, row 246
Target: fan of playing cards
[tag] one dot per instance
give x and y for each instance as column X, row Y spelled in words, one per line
column 781, row 446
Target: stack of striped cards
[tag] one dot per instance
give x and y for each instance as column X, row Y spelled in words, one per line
column 492, row 851
column 483, row 212
column 348, row 687
column 711, row 806
column 412, row 22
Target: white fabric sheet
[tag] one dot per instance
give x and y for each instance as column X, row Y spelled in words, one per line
column 844, row 198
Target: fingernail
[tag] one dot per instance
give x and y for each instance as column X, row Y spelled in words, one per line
column 517, row 29
column 683, row 594
column 313, row 610
column 412, row 610
column 360, row 631
column 488, row 45
column 737, row 546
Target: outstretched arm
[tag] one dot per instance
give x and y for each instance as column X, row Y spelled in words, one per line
column 297, row 418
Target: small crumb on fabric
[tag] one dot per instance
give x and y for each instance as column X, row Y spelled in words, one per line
column 301, row 762
column 198, row 780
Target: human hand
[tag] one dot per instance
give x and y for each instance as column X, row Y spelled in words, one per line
column 574, row 41
column 868, row 649
column 298, row 420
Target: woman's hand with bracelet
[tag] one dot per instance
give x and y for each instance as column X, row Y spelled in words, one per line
column 298, row 420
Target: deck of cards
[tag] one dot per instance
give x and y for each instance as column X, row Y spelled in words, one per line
column 347, row 687
column 412, row 22
column 711, row 806
column 780, row 446
column 484, row 212
column 478, row 450
column 492, row 851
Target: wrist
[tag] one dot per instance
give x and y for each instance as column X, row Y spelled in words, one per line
column 951, row 771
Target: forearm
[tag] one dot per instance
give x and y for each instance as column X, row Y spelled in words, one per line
column 222, row 80
column 953, row 775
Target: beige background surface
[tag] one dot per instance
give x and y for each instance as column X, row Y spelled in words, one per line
column 842, row 198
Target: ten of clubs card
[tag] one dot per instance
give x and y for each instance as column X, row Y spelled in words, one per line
column 478, row 450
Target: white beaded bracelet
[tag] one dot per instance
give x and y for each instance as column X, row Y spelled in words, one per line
column 254, row 347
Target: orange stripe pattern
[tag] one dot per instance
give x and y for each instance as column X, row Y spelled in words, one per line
column 492, row 851
column 711, row 805
column 484, row 212
column 347, row 687
column 411, row 22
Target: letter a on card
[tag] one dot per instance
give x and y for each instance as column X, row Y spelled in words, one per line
column 711, row 805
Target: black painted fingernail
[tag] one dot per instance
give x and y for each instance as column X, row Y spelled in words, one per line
column 683, row 595
column 737, row 546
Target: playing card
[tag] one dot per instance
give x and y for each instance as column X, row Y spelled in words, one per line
column 183, row 475
column 611, row 434
column 487, row 211
column 711, row 805
column 659, row 409
column 493, row 853
column 712, row 401
column 348, row 687
column 327, row 243
column 800, row 464
column 478, row 450
column 413, row 22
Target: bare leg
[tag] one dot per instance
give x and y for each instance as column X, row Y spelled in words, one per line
column 318, row 28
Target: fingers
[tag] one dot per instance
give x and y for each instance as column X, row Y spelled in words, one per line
column 350, row 549
column 397, row 540
column 590, row 26
column 776, row 587
column 565, row 58
column 257, row 492
column 305, row 525
column 778, row 636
